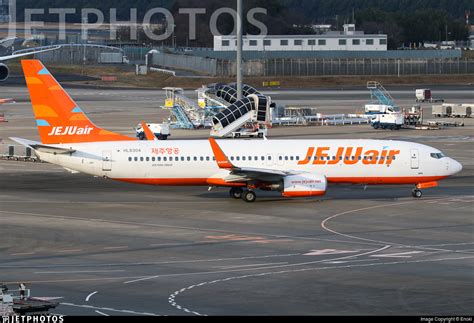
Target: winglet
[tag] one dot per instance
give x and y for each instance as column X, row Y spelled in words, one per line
column 222, row 160
column 148, row 133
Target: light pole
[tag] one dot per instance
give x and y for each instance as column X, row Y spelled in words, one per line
column 239, row 49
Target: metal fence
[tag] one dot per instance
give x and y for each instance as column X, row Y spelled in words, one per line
column 76, row 54
column 207, row 66
column 330, row 67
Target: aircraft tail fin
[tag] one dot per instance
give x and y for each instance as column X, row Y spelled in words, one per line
column 58, row 118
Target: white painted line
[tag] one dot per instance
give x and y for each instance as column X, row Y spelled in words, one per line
column 90, row 295
column 79, row 272
column 324, row 252
column 108, row 309
column 174, row 304
column 23, row 254
column 349, row 261
column 255, row 265
column 72, row 250
column 398, row 255
column 99, row 312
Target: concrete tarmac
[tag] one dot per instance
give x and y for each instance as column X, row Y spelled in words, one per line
column 106, row 248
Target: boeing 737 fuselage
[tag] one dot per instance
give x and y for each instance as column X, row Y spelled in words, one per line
column 295, row 168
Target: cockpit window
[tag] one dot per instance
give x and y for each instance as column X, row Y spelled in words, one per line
column 437, row 155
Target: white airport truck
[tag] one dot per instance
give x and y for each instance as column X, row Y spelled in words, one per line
column 113, row 58
column 425, row 95
column 385, row 116
column 160, row 130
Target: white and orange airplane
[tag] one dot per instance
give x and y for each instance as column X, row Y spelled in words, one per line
column 295, row 168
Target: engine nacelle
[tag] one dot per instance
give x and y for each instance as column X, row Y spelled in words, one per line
column 304, row 185
column 4, row 72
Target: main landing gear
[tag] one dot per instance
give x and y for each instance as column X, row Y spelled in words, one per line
column 248, row 196
column 417, row 193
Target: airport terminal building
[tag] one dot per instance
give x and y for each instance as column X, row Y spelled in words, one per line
column 347, row 40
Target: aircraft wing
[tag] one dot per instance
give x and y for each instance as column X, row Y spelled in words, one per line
column 8, row 57
column 239, row 174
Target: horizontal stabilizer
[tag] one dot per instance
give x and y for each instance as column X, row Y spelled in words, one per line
column 52, row 150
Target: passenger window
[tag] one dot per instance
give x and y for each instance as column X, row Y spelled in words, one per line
column 159, row 159
column 208, row 158
column 297, row 158
column 142, row 159
column 256, row 158
column 165, row 158
column 136, row 159
column 195, row 158
column 232, row 158
column 244, row 158
column 263, row 158
column 238, row 158
column 292, row 158
column 148, row 159
column 281, row 157
column 189, row 159
column 176, row 159
column 129, row 159
column 286, row 158
column 182, row 159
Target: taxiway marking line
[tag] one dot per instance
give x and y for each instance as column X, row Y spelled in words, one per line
column 90, row 295
column 103, row 314
column 79, row 272
column 23, row 254
column 109, row 309
column 399, row 255
column 172, row 297
column 255, row 265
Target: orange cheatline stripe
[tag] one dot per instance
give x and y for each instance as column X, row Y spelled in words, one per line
column 333, row 180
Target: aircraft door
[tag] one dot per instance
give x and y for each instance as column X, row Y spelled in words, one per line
column 415, row 159
column 107, row 161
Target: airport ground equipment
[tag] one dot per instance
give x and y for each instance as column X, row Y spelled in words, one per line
column 462, row 110
column 392, row 121
column 160, row 130
column 426, row 95
column 185, row 112
column 413, row 116
column 113, row 58
column 442, row 111
column 11, row 303
column 254, row 109
column 379, row 95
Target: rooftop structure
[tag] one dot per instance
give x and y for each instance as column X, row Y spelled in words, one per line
column 349, row 39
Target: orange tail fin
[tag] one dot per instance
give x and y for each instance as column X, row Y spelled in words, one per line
column 58, row 117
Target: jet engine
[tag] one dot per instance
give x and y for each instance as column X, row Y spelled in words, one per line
column 304, row 185
column 4, row 72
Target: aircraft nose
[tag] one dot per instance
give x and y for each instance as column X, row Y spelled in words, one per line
column 455, row 167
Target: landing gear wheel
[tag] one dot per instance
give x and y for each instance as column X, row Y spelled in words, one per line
column 236, row 193
column 249, row 196
column 417, row 193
